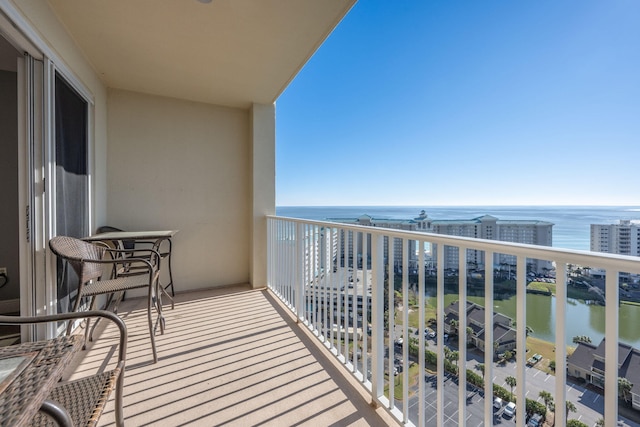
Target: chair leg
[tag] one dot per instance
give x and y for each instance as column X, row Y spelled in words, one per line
column 173, row 293
column 93, row 307
column 75, row 309
column 88, row 335
column 151, row 326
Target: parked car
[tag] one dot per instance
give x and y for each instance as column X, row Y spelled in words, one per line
column 497, row 404
column 535, row 421
column 534, row 359
column 509, row 410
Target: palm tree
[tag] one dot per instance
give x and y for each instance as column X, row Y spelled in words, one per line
column 454, row 324
column 570, row 408
column 547, row 398
column 480, row 367
column 624, row 388
column 453, row 356
column 600, row 422
column 511, row 382
column 581, row 338
column 469, row 334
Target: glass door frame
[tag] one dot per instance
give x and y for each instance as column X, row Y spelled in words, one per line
column 36, row 165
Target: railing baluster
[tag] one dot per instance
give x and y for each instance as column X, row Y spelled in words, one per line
column 462, row 336
column 521, row 357
column 354, row 305
column 488, row 340
column 440, row 335
column 611, row 347
column 377, row 320
column 422, row 328
column 365, row 306
column 392, row 324
column 405, row 329
column 561, row 348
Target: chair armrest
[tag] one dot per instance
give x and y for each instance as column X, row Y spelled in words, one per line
column 133, row 255
column 26, row 320
column 66, row 395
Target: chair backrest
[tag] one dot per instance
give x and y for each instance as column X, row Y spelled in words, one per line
column 79, row 255
column 128, row 245
column 107, row 229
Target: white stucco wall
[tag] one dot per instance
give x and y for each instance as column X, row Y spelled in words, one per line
column 184, row 165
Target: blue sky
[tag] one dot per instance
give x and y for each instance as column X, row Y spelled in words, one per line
column 495, row 102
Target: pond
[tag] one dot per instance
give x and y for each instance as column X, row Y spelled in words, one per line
column 583, row 319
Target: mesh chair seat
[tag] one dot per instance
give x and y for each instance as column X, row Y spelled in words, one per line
column 110, row 286
column 84, row 399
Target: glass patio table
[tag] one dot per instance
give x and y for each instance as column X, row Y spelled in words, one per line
column 28, row 373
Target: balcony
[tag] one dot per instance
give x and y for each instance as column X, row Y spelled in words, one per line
column 296, row 353
column 230, row 356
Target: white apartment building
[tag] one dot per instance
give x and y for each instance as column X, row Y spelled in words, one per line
column 488, row 227
column 622, row 238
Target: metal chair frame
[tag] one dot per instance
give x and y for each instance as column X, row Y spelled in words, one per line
column 93, row 388
column 89, row 260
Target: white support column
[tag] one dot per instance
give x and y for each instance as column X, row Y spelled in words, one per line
column 263, row 187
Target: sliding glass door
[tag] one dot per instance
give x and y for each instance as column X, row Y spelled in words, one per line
column 54, row 123
column 71, row 179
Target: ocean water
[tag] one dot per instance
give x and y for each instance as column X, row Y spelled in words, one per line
column 571, row 228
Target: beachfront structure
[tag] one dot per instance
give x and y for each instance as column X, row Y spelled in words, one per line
column 532, row 232
column 347, row 241
column 622, row 238
column 588, row 361
column 504, row 335
column 175, row 124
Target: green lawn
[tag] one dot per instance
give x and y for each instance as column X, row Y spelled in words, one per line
column 540, row 286
column 546, row 349
column 414, row 375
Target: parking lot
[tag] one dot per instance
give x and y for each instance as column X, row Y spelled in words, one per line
column 475, row 405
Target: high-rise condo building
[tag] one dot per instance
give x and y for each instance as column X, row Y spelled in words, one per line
column 488, row 227
column 622, row 238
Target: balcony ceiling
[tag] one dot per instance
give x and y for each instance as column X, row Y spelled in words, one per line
column 227, row 52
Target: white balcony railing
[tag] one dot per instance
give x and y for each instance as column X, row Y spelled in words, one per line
column 334, row 277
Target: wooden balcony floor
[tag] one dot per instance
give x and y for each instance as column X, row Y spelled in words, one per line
column 229, row 357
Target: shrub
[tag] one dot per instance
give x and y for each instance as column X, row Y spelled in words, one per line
column 501, row 392
column 475, row 379
column 536, row 407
